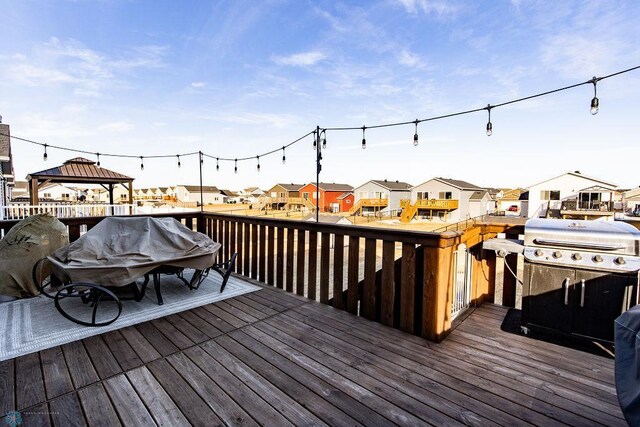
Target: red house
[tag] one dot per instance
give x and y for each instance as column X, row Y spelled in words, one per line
column 333, row 197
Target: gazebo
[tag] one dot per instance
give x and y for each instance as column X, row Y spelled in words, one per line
column 78, row 170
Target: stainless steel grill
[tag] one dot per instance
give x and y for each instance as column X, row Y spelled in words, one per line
column 579, row 275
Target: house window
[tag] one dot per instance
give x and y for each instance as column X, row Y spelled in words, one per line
column 305, row 195
column 274, row 194
column 445, row 195
column 363, row 194
column 549, row 195
column 46, row 195
column 423, row 195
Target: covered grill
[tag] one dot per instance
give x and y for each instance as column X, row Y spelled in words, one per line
column 579, row 276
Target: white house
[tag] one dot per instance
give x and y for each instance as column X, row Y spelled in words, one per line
column 447, row 199
column 631, row 201
column 513, row 202
column 572, row 194
column 191, row 194
column 379, row 196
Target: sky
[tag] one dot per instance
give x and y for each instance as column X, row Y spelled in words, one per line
column 238, row 78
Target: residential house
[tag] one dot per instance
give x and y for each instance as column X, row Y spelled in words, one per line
column 332, row 196
column 191, row 194
column 444, row 198
column 251, row 194
column 230, row 196
column 379, row 196
column 631, row 200
column 20, row 191
column 7, row 178
column 279, row 194
column 573, row 195
column 513, row 202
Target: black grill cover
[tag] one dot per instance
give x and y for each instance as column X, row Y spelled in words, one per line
column 627, row 337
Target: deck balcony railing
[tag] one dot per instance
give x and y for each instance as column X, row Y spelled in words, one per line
column 403, row 279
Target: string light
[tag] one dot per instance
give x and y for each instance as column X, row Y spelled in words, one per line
column 594, row 110
column 595, row 103
column 258, row 158
column 315, row 140
column 284, row 158
column 217, row 164
column 415, row 136
column 324, row 139
column 141, row 163
column 235, row 169
column 179, row 160
column 98, row 155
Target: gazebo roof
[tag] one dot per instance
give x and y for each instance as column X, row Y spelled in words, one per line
column 80, row 169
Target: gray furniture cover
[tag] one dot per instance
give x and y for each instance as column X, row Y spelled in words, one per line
column 627, row 365
column 120, row 250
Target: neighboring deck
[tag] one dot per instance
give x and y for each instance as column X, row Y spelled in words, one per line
column 273, row 358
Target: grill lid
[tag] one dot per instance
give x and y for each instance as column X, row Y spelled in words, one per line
column 594, row 236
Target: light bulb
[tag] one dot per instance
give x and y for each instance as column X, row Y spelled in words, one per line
column 258, row 157
column 235, row 168
column 45, row 153
column 284, row 158
column 415, row 139
column 324, row 142
column 179, row 164
column 595, row 106
column 489, row 129
column 364, row 143
column 217, row 164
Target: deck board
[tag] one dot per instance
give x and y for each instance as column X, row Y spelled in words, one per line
column 275, row 358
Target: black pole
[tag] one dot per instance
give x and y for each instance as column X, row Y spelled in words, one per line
column 318, row 169
column 201, row 197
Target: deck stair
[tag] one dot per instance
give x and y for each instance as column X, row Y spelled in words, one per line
column 408, row 213
column 376, row 203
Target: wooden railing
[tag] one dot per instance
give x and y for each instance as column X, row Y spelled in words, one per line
column 378, row 203
column 402, row 279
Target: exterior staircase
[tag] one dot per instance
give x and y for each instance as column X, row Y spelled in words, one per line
column 355, row 208
column 408, row 213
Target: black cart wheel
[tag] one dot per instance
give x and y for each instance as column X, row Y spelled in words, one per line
column 46, row 282
column 88, row 304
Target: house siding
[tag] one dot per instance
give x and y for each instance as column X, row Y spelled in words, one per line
column 371, row 188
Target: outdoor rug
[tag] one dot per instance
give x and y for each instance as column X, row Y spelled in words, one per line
column 34, row 324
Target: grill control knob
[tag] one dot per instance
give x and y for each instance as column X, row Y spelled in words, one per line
column 620, row 261
column 576, row 257
column 538, row 252
column 597, row 258
column 557, row 254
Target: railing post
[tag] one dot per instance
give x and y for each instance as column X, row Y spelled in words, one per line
column 438, row 287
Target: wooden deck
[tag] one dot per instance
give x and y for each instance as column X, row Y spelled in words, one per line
column 273, row 358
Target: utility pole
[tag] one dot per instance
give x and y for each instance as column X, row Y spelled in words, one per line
column 318, row 169
column 201, row 196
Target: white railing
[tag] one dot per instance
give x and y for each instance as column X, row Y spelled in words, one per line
column 21, row 211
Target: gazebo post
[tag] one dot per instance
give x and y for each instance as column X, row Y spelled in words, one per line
column 33, row 192
column 111, row 197
column 130, row 197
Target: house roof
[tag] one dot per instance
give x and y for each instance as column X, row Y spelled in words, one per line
column 634, row 192
column 228, row 193
column 513, row 194
column 80, row 169
column 205, row 188
column 578, row 174
column 290, row 187
column 250, row 189
column 392, row 185
column 326, row 186
column 462, row 185
column 345, row 195
column 478, row 195
column 596, row 189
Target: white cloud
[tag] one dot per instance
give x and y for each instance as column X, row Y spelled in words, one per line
column 410, row 59
column 300, row 59
column 116, row 126
column 89, row 72
column 198, row 85
column 262, row 119
column 439, row 8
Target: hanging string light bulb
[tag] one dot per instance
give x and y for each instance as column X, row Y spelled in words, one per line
column 284, row 158
column 45, row 153
column 316, row 137
column 179, row 160
column 235, row 169
column 595, row 102
column 217, row 163
column 364, row 141
column 415, row 136
column 98, row 155
column 201, row 158
column 258, row 167
column 489, row 125
column 324, row 138
column 141, row 163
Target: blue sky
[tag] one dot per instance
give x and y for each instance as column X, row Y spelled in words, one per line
column 239, row 78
